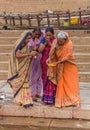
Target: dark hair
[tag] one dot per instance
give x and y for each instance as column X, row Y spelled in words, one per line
column 50, row 29
column 22, row 41
column 26, row 35
column 36, row 29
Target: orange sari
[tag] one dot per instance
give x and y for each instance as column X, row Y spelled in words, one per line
column 65, row 75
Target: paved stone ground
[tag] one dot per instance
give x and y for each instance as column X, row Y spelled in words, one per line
column 8, row 108
column 85, row 95
column 24, row 123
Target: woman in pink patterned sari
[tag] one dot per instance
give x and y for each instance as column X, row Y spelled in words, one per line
column 49, row 89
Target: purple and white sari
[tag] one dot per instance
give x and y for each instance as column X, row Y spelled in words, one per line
column 36, row 85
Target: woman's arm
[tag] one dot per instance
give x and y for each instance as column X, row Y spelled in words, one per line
column 41, row 48
column 19, row 54
column 42, row 45
column 48, row 41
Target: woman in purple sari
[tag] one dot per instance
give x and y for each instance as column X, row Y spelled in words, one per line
column 49, row 89
column 36, row 85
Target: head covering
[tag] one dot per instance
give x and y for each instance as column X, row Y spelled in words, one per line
column 22, row 39
column 13, row 62
column 62, row 35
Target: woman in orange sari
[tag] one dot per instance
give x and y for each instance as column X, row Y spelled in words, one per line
column 63, row 72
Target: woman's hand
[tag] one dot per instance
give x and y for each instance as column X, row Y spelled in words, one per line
column 41, row 48
column 59, row 62
column 48, row 61
column 33, row 53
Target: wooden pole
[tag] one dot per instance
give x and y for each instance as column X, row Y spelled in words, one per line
column 48, row 21
column 20, row 17
column 58, row 20
column 29, row 20
column 13, row 19
column 80, row 17
column 69, row 15
column 10, row 18
column 5, row 18
column 38, row 21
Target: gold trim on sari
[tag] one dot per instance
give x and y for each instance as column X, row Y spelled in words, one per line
column 19, row 75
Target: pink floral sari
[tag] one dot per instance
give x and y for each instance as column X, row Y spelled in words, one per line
column 49, row 88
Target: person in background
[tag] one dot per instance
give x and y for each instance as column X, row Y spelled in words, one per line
column 19, row 71
column 64, row 72
column 49, row 89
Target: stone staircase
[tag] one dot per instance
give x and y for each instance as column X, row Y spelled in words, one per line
column 81, row 42
column 7, row 40
column 40, row 116
column 28, row 6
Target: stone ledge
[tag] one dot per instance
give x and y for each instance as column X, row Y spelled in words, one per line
column 69, row 125
column 44, row 111
column 81, row 114
column 27, row 123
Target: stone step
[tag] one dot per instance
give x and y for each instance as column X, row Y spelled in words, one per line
column 76, row 40
column 4, row 65
column 84, row 66
column 81, row 49
column 77, row 48
column 3, row 75
column 10, row 33
column 29, row 123
column 8, row 40
column 6, row 48
column 76, row 33
column 83, row 76
column 82, row 57
column 32, row 6
column 4, row 56
column 80, row 40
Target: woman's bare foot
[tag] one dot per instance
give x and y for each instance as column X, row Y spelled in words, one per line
column 37, row 96
column 34, row 99
column 78, row 106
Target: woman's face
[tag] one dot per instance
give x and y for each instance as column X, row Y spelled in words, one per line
column 60, row 41
column 49, row 35
column 37, row 34
column 28, row 39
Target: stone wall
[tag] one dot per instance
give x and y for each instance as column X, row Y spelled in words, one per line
column 28, row 6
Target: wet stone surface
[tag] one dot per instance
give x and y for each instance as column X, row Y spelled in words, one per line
column 8, row 108
column 85, row 95
column 7, row 93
